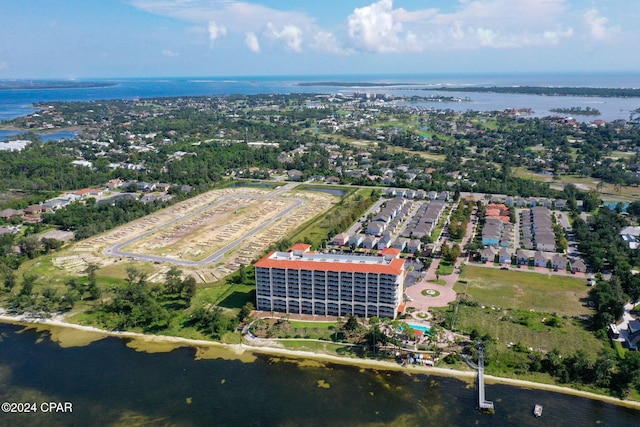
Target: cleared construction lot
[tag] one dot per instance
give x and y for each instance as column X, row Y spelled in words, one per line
column 210, row 235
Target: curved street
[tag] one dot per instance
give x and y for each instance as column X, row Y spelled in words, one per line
column 116, row 250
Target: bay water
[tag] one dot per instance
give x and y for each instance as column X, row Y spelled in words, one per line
column 110, row 383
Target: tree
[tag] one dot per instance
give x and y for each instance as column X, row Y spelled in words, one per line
column 591, row 201
column 173, row 282
column 30, row 246
column 634, row 208
column 9, row 280
column 245, row 311
column 51, row 244
column 28, row 281
column 242, row 274
column 189, row 288
column 352, row 323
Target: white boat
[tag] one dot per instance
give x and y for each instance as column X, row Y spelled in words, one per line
column 537, row 410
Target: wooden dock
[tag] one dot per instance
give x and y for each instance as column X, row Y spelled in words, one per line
column 483, row 404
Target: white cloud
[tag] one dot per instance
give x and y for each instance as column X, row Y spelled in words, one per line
column 290, row 34
column 252, row 42
column 474, row 24
column 373, row 28
column 237, row 16
column 170, row 53
column 3, row 65
column 381, row 27
column 327, row 42
column 216, row 31
column 597, row 25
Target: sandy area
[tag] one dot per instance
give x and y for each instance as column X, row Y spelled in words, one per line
column 246, row 353
column 199, row 226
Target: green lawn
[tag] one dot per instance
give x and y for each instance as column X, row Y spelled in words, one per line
column 319, row 228
column 564, row 295
column 225, row 295
column 506, row 327
column 312, row 325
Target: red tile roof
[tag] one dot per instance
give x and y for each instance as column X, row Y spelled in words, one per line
column 390, row 251
column 395, row 267
column 87, row 191
column 300, row 247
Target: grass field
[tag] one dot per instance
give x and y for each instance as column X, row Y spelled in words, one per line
column 548, row 293
column 608, row 191
column 318, row 229
column 506, row 326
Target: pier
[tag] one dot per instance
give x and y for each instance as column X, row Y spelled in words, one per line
column 483, row 404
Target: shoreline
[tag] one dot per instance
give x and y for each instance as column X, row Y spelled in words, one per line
column 241, row 349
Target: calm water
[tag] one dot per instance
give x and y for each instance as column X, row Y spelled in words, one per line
column 52, row 136
column 15, row 103
column 109, row 383
column 333, row 191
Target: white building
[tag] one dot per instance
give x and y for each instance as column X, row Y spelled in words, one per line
column 300, row 281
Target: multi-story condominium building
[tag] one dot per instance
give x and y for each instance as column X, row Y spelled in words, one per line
column 304, row 282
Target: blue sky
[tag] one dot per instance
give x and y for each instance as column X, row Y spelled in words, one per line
column 155, row 38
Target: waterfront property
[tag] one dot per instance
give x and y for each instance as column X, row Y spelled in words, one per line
column 302, row 282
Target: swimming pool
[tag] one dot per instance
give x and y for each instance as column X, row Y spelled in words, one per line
column 424, row 329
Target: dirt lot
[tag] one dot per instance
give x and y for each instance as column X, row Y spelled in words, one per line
column 197, row 227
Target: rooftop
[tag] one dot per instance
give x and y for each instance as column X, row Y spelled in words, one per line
column 390, row 263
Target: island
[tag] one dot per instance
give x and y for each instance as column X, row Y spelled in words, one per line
column 51, row 84
column 577, row 111
column 546, row 90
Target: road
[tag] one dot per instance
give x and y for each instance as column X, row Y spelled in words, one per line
column 116, row 250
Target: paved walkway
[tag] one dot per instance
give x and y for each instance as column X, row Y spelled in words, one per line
column 446, row 295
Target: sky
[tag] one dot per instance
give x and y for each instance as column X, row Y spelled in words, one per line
column 184, row 38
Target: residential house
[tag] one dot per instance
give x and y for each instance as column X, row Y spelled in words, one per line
column 146, row 186
column 56, row 203
column 578, row 266
column 633, row 331
column 488, row 254
column 370, row 242
column 7, row 214
column 112, row 200
column 504, row 256
column 356, row 240
column 115, row 183
column 376, row 228
column 148, row 198
column 523, row 256
column 385, row 241
column 34, row 210
column 631, row 235
column 400, row 243
column 88, row 192
column 414, row 246
column 540, row 259
column 545, row 241
column 341, row 239
column 294, row 175
column 559, row 262
column 560, row 204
